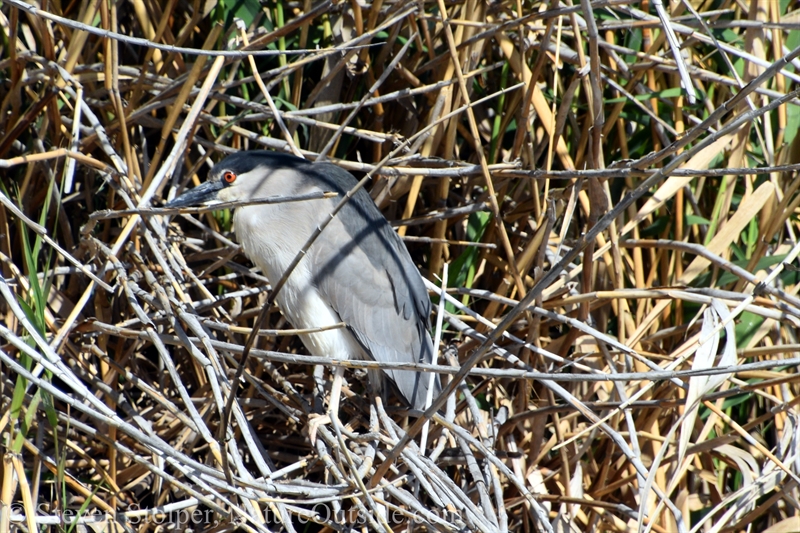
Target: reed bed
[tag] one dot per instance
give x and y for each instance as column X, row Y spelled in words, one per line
column 610, row 258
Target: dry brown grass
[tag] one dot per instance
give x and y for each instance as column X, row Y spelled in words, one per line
column 620, row 343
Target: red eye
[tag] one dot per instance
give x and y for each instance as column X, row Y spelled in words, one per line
column 229, row 177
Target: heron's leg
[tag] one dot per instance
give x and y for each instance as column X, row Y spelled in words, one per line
column 319, row 388
column 375, row 385
column 336, row 393
column 332, row 417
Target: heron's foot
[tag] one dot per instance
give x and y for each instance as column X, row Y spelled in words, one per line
column 316, row 420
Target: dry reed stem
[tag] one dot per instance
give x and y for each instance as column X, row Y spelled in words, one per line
column 619, row 320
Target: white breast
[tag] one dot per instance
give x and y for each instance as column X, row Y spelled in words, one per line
column 271, row 240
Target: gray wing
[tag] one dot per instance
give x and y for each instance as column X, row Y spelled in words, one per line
column 364, row 270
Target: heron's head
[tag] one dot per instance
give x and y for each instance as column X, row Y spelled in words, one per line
column 245, row 176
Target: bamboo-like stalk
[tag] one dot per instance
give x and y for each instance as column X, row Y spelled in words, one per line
column 604, row 241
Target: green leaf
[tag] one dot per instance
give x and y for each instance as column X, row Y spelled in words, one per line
column 656, row 228
column 788, row 277
column 747, row 327
column 792, row 118
column 247, row 10
column 736, row 400
column 691, row 220
column 459, row 269
column 282, row 102
column 49, row 408
column 498, row 117
column 37, row 298
column 666, row 93
column 27, row 420
column 83, row 508
column 224, row 218
column 463, row 268
column 18, row 397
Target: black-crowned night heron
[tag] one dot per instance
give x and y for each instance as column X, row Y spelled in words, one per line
column 358, row 271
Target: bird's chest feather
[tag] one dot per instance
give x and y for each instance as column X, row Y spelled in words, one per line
column 272, row 241
column 271, row 237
